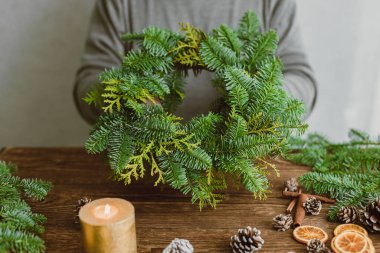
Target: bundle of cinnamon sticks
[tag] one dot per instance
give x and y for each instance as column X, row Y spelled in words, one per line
column 298, row 198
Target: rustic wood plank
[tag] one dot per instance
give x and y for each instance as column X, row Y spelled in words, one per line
column 2, row 150
column 161, row 213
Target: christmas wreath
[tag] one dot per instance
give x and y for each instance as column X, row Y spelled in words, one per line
column 251, row 121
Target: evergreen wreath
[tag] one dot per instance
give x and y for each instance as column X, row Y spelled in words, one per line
column 251, row 121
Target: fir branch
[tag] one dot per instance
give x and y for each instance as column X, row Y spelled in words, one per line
column 337, row 185
column 143, row 62
column 94, row 96
column 19, row 226
column 354, row 155
column 156, row 85
column 120, row 149
column 35, row 188
column 348, row 171
column 196, row 159
column 175, row 82
column 156, row 41
column 249, row 26
column 175, row 173
column 228, row 38
column 203, row 127
column 204, row 193
column 99, row 137
column 235, row 77
column 13, row 240
column 255, row 181
column 7, row 168
column 236, row 128
column 157, row 126
column 263, row 46
column 21, row 220
column 217, row 56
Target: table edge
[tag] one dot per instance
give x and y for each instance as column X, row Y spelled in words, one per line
column 2, row 150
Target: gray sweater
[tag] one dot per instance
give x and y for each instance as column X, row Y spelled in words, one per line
column 112, row 18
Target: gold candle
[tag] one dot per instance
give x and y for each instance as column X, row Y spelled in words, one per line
column 108, row 226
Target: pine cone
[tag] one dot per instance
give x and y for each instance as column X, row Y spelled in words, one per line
column 282, row 222
column 247, row 240
column 312, row 206
column 314, row 246
column 81, row 202
column 371, row 216
column 291, row 184
column 348, row 214
column 179, row 246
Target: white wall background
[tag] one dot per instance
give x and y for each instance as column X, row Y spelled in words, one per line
column 41, row 42
column 40, row 46
column 342, row 38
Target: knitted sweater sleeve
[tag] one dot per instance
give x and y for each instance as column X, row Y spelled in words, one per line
column 298, row 75
column 103, row 49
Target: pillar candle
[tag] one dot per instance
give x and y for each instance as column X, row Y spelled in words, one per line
column 108, row 226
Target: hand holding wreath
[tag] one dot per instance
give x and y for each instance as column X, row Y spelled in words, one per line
column 252, row 120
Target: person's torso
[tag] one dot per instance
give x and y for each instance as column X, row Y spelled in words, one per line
column 204, row 14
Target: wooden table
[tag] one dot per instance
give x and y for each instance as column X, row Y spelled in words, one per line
column 162, row 214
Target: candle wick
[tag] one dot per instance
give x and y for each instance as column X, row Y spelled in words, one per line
column 107, row 210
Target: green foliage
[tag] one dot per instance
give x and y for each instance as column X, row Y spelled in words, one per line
column 94, row 97
column 249, row 26
column 359, row 154
column 186, row 51
column 217, row 56
column 158, row 41
column 258, row 49
column 348, row 172
column 254, row 119
column 228, row 38
column 19, row 226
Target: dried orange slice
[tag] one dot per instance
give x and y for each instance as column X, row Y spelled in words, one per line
column 351, row 242
column 304, row 234
column 333, row 246
column 349, row 227
column 371, row 248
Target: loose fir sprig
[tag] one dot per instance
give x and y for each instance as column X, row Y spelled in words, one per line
column 252, row 120
column 348, row 172
column 20, row 228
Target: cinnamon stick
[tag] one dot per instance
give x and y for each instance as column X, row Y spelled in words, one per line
column 291, row 205
column 300, row 210
column 296, row 195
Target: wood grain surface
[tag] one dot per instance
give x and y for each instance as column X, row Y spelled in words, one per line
column 162, row 214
